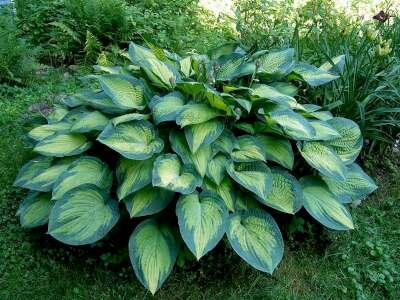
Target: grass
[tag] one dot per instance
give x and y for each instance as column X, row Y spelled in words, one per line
column 318, row 264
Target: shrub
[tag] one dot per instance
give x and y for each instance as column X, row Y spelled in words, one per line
column 64, row 29
column 192, row 136
column 265, row 23
column 61, row 27
column 178, row 25
column 17, row 58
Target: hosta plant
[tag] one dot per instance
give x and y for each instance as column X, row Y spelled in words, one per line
column 193, row 149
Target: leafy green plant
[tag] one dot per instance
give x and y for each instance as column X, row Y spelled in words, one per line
column 17, row 57
column 369, row 88
column 191, row 137
column 60, row 28
column 265, row 23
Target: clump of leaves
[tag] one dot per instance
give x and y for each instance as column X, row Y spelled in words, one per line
column 218, row 140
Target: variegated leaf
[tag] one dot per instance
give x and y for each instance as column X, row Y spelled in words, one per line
column 202, row 221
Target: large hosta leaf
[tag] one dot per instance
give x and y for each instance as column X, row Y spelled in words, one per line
column 225, row 143
column 129, row 117
column 232, row 66
column 293, row 124
column 133, row 175
column 276, row 63
column 312, row 75
column 323, row 205
column 255, row 177
column 255, row 237
column 277, row 149
column 246, row 201
column 148, row 201
column 203, row 134
column 286, row 194
column 35, row 209
column 195, row 114
column 63, row 144
column 138, row 53
column 348, row 146
column 166, row 108
column 202, row 221
column 324, row 131
column 337, row 66
column 357, row 185
column 199, row 159
column 40, row 173
column 83, row 215
column 86, row 169
column 286, row 88
column 133, row 140
column 216, row 168
column 44, row 131
column 225, row 190
column 125, row 91
column 100, row 101
column 250, row 149
column 93, row 121
column 159, row 73
column 169, row 173
column 58, row 112
column 216, row 100
column 152, row 250
column 264, row 91
column 323, row 158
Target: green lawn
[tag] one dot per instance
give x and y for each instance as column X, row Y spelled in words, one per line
column 318, row 264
